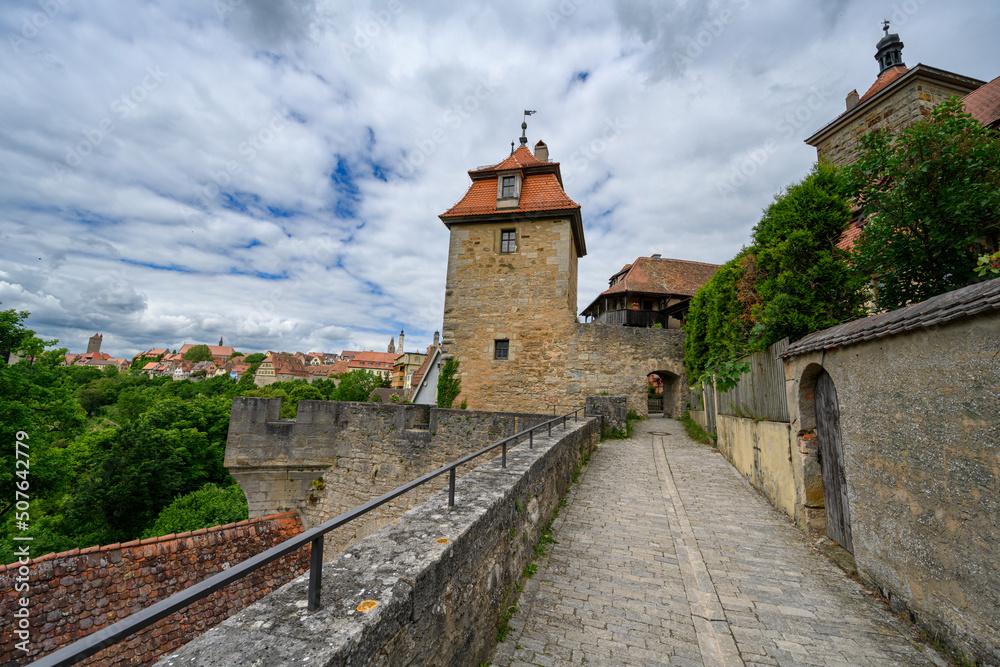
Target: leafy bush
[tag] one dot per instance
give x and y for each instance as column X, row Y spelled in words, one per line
column 210, row 505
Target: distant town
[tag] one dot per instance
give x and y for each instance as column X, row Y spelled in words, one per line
column 196, row 362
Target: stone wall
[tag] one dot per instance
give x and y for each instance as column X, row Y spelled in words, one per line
column 921, row 436
column 337, row 455
column 75, row 593
column 616, row 360
column 895, row 112
column 527, row 298
column 428, row 589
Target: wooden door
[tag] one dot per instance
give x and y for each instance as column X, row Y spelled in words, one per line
column 831, row 450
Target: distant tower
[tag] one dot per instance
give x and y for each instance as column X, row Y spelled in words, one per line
column 220, row 341
column 392, row 346
column 889, row 50
column 94, row 346
column 437, row 337
column 402, row 348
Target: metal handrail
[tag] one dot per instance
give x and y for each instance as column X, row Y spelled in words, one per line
column 114, row 633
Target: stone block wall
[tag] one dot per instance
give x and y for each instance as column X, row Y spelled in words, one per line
column 428, row 589
column 527, row 298
column 612, row 410
column 75, row 593
column 921, row 437
column 337, row 455
column 901, row 109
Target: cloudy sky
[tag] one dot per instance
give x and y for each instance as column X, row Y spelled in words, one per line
column 271, row 171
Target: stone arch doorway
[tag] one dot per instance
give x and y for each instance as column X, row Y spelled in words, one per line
column 666, row 386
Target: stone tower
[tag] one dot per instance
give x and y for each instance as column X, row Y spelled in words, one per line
column 510, row 296
column 94, row 346
column 402, row 348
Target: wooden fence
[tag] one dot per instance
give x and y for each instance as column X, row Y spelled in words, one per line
column 760, row 393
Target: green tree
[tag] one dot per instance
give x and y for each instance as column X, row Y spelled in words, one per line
column 931, row 197
column 449, row 384
column 801, row 281
column 210, row 505
column 356, row 385
column 198, row 353
column 791, row 280
column 718, row 324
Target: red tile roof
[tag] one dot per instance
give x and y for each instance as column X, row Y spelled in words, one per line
column 984, row 102
column 654, row 275
column 883, row 81
column 540, row 190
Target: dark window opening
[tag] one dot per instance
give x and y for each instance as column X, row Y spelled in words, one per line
column 508, row 187
column 500, row 348
column 508, row 240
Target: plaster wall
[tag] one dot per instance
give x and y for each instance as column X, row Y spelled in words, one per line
column 762, row 453
column 920, row 422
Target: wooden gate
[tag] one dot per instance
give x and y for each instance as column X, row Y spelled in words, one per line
column 831, row 450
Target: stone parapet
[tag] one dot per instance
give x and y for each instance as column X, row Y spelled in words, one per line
column 430, row 588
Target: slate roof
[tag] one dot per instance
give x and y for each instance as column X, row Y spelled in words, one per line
column 984, row 103
column 937, row 310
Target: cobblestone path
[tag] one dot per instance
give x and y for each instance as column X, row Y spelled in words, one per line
column 666, row 556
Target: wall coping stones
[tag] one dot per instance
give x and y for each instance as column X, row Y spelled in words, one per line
column 438, row 575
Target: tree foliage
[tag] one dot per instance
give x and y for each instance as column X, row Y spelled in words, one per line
column 931, row 197
column 211, row 505
column 449, row 384
column 790, row 281
column 198, row 353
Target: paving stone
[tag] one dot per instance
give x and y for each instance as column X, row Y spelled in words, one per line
column 666, row 556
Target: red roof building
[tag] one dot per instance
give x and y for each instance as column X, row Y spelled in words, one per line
column 650, row 291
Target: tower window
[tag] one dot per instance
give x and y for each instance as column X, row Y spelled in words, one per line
column 501, row 348
column 508, row 188
column 508, row 240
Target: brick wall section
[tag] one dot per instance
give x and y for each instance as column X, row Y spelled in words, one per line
column 438, row 580
column 903, row 108
column 338, row 455
column 921, row 436
column 81, row 591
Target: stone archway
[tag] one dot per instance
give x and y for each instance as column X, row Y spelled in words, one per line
column 670, row 391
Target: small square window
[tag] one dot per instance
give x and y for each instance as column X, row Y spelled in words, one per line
column 508, row 240
column 500, row 348
column 507, row 190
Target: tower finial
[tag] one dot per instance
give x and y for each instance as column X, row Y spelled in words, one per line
column 889, row 50
column 524, row 127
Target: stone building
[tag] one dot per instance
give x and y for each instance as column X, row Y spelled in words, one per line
column 510, row 300
column 899, row 97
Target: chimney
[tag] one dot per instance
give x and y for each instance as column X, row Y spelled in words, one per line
column 852, row 99
column 437, row 338
column 541, row 151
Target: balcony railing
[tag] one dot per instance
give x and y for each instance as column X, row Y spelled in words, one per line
column 633, row 318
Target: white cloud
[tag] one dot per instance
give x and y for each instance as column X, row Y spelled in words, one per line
column 272, row 172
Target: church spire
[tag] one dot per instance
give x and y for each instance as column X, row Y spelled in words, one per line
column 889, row 52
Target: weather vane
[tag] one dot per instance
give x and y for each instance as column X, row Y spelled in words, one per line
column 885, row 26
column 524, row 126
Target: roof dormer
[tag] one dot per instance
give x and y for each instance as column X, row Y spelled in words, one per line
column 508, row 189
